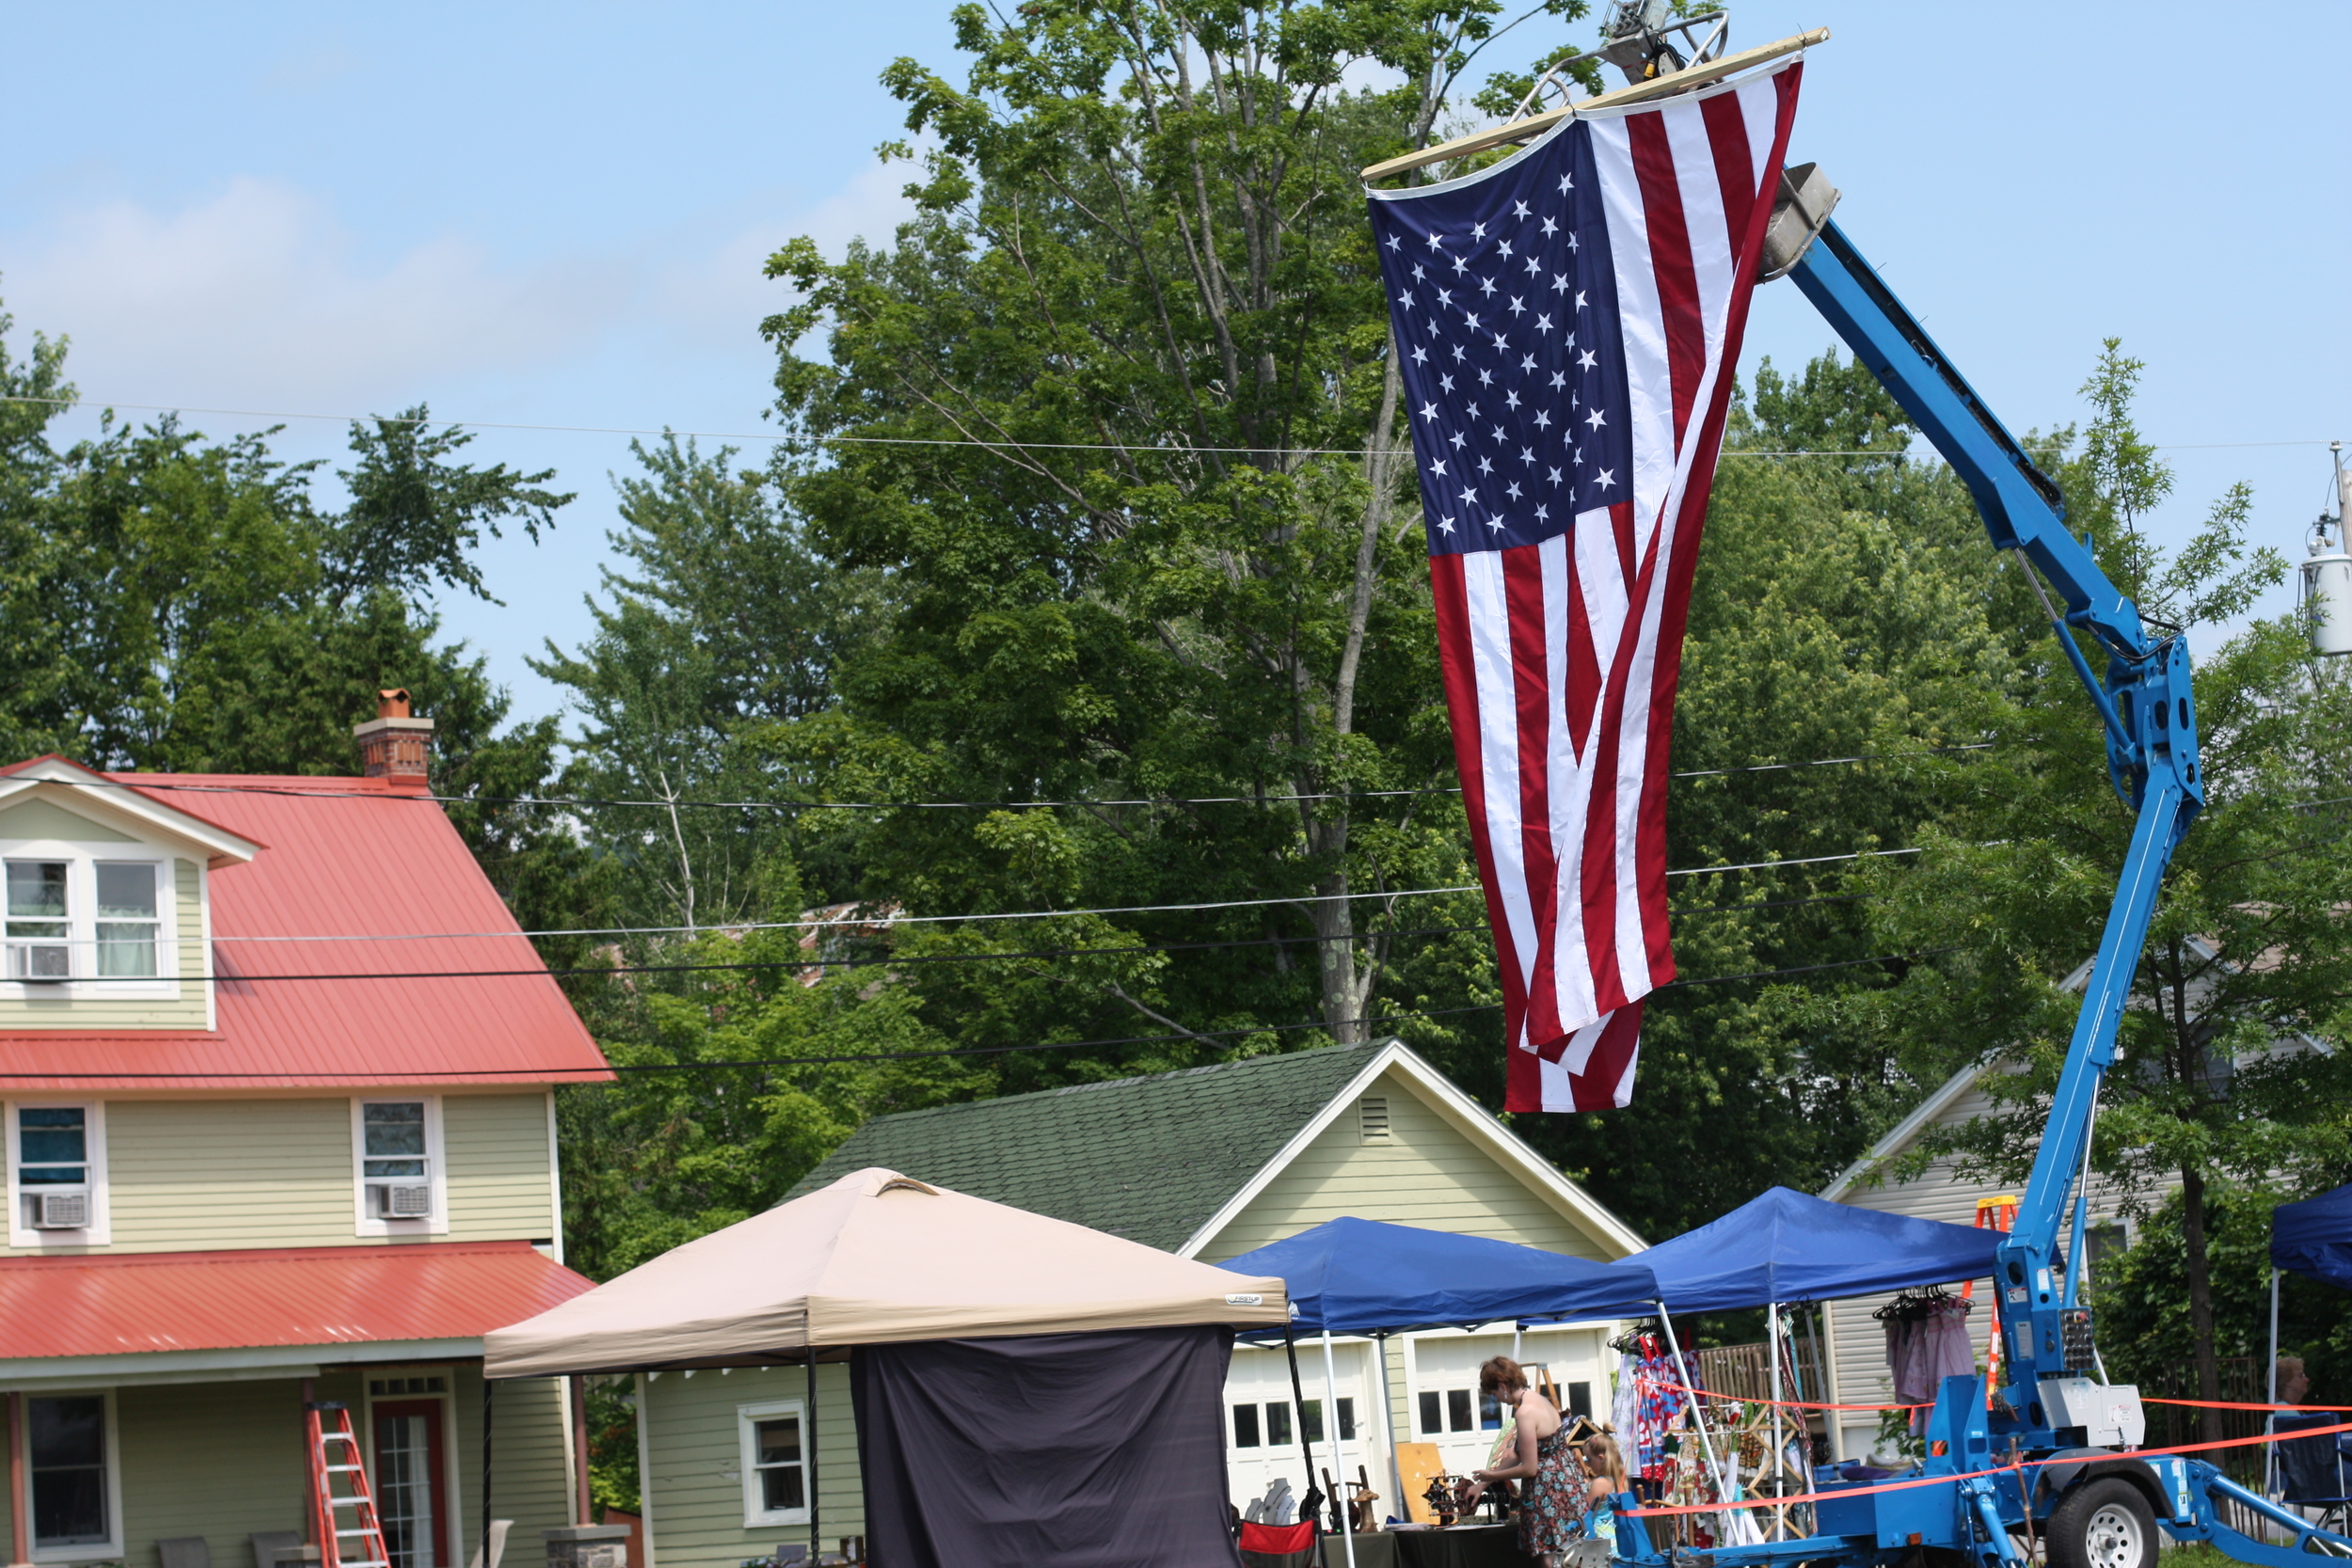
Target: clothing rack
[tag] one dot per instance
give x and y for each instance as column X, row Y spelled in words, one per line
column 1630, row 1341
column 1922, row 1302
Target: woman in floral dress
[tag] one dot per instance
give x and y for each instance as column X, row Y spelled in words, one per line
column 1552, row 1503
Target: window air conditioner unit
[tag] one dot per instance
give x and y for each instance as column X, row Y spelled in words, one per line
column 407, row 1202
column 60, row 1210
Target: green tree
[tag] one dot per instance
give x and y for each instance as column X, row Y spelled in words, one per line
column 1139, row 232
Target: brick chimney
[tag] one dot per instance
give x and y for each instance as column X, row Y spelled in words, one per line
column 393, row 745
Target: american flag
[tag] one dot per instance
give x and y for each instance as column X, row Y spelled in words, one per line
column 1568, row 321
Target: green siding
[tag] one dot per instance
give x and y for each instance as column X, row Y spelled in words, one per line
column 528, row 1480
column 696, row 1490
column 200, row 1175
column 46, row 819
column 1427, row 1173
column 111, row 1009
column 219, row 1460
column 203, row 1174
column 499, row 1178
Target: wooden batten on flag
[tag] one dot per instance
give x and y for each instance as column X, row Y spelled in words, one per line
column 1567, row 321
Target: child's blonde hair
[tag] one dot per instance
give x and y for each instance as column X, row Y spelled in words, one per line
column 1601, row 1457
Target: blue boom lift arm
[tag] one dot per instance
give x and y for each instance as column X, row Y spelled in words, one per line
column 2052, row 1455
column 2150, row 713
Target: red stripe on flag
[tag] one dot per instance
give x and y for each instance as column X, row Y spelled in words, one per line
column 1670, row 262
column 1452, row 601
column 1530, row 687
column 1584, row 691
column 1596, row 1088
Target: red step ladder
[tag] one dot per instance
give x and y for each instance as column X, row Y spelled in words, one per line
column 335, row 1452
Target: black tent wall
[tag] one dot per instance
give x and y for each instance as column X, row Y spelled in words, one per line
column 1052, row 1450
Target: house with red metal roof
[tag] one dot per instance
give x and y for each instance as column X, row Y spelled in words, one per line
column 276, row 1081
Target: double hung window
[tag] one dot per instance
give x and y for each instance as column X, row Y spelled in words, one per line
column 40, row 933
column 56, row 1157
column 128, row 920
column 398, row 1168
column 774, row 1464
column 65, row 1464
column 69, row 920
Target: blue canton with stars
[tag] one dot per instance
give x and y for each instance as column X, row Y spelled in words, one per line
column 1506, row 309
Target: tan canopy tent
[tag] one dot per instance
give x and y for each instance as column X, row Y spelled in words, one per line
column 876, row 1258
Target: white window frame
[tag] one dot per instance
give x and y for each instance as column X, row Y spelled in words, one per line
column 80, row 907
column 747, row 1420
column 436, row 1170
column 88, row 1551
column 100, row 1231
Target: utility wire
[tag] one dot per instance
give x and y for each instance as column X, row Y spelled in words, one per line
column 779, row 437
column 138, row 782
column 736, row 928
column 887, row 960
column 543, row 1073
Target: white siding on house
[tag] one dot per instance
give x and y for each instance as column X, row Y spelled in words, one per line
column 1857, row 1343
column 1425, row 1173
column 694, row 1490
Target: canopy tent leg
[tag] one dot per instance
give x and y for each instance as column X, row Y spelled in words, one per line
column 1698, row 1418
column 1338, row 1460
column 484, row 1559
column 1299, row 1404
column 2270, row 1417
column 1771, row 1334
column 808, row 1442
column 1388, row 1425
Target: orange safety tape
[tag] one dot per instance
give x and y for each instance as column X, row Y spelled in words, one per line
column 1965, row 1475
column 1792, row 1405
column 2226, row 1405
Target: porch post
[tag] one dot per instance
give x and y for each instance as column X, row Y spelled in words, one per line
column 19, row 1540
column 582, row 1505
column 808, row 1441
column 1339, row 1459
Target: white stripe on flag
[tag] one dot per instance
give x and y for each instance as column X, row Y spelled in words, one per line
column 1489, row 617
column 1642, row 328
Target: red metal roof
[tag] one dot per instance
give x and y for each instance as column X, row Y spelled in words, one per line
column 355, row 858
column 337, row 1295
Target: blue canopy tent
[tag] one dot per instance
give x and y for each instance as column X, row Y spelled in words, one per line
column 1788, row 1246
column 1364, row 1277
column 2313, row 1239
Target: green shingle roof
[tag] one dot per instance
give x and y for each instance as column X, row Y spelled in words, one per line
column 1149, row 1159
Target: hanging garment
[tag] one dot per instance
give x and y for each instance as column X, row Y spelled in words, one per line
column 1946, row 1351
column 1629, row 1399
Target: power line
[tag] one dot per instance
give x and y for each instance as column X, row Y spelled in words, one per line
column 734, row 928
column 894, row 960
column 546, row 1072
column 299, row 792
column 1139, row 450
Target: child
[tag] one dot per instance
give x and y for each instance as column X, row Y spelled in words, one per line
column 1606, row 1465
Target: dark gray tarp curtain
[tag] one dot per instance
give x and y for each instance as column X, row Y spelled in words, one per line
column 1050, row 1450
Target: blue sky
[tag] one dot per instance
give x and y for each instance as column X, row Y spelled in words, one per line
column 556, row 215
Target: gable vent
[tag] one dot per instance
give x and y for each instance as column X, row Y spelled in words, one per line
column 1372, row 1118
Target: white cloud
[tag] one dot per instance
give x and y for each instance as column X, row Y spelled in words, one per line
column 720, row 295
column 257, row 298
